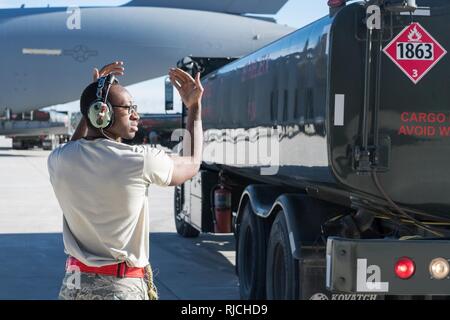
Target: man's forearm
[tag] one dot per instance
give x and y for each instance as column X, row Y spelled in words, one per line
column 80, row 131
column 193, row 139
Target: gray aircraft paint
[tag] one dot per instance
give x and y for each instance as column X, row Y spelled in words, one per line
column 45, row 63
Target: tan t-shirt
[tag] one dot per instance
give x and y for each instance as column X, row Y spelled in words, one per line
column 101, row 186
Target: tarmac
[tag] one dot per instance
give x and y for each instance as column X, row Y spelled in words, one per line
column 31, row 244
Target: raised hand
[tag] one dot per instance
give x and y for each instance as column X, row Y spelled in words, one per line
column 115, row 68
column 191, row 91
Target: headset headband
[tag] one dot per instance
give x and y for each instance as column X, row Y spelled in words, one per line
column 110, row 80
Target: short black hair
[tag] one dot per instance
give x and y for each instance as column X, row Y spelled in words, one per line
column 88, row 96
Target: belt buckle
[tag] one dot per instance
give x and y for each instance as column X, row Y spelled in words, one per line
column 121, row 271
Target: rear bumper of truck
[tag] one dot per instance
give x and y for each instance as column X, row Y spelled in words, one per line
column 369, row 266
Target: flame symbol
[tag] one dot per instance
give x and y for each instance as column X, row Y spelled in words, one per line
column 414, row 35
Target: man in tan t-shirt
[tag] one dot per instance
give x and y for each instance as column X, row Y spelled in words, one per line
column 101, row 185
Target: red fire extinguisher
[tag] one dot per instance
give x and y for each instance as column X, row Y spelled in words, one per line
column 222, row 209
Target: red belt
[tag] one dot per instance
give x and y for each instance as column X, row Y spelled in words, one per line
column 120, row 270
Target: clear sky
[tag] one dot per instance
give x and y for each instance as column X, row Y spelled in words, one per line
column 149, row 94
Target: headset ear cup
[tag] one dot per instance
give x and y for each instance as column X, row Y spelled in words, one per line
column 93, row 113
column 99, row 115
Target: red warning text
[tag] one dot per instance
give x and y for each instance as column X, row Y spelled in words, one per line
column 424, row 124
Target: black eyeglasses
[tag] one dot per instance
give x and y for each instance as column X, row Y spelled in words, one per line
column 130, row 108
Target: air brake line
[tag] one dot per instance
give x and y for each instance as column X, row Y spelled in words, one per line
column 400, row 210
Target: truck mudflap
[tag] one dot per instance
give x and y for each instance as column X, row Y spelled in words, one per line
column 388, row 267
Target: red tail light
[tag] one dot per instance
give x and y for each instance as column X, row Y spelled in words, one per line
column 405, row 268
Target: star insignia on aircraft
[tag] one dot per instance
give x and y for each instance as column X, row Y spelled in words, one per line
column 81, row 53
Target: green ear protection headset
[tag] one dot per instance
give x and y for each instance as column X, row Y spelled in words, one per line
column 100, row 112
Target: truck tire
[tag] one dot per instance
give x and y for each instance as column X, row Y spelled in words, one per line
column 251, row 256
column 282, row 277
column 183, row 229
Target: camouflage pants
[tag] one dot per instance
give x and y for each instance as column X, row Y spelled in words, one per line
column 89, row 286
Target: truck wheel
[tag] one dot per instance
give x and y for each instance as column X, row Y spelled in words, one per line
column 18, row 145
column 251, row 256
column 183, row 229
column 282, row 277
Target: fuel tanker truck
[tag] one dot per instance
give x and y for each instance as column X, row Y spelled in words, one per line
column 327, row 155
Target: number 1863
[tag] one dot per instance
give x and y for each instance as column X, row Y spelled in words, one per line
column 415, row 51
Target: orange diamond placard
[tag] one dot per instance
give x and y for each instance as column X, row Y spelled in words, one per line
column 415, row 51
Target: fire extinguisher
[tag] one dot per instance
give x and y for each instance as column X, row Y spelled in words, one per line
column 222, row 209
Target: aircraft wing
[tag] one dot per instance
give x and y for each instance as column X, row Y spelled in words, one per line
column 225, row 6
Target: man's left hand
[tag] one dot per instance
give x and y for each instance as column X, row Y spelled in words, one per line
column 191, row 91
column 115, row 68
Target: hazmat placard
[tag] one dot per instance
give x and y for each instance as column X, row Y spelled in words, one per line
column 415, row 51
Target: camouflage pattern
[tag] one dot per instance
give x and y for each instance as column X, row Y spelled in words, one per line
column 88, row 286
